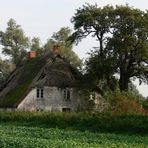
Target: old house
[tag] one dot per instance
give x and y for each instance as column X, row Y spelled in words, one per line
column 48, row 82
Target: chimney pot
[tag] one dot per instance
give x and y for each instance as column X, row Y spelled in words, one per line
column 56, row 49
column 32, row 54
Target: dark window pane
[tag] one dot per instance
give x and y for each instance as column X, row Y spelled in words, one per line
column 38, row 93
column 65, row 109
column 64, row 93
column 42, row 93
column 68, row 94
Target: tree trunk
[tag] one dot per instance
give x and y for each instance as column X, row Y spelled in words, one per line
column 101, row 47
column 123, row 82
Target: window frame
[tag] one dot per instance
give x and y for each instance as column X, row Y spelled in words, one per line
column 66, row 109
column 67, row 94
column 39, row 93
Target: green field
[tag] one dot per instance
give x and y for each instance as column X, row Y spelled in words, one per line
column 13, row 135
column 43, row 130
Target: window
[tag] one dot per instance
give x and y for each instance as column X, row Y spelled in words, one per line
column 92, row 96
column 65, row 109
column 40, row 93
column 66, row 94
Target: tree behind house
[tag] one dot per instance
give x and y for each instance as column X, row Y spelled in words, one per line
column 6, row 67
column 122, row 35
column 61, row 38
column 14, row 42
column 36, row 45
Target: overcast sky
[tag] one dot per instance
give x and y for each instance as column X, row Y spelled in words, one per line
column 40, row 18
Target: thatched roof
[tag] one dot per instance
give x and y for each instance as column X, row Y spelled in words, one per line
column 47, row 70
column 57, row 73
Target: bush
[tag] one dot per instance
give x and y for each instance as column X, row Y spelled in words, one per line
column 124, row 103
column 145, row 104
column 95, row 122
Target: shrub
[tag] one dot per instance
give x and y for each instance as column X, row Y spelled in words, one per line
column 145, row 104
column 124, row 103
column 94, row 122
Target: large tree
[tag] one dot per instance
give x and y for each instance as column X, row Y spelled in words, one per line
column 130, row 44
column 61, row 38
column 122, row 34
column 36, row 45
column 14, row 42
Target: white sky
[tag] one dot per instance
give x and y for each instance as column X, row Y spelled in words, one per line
column 41, row 18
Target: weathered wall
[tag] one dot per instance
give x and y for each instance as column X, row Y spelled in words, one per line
column 53, row 100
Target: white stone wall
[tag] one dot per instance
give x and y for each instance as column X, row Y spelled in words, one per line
column 53, row 100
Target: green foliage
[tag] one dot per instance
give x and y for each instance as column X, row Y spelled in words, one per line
column 124, row 103
column 134, row 90
column 6, row 67
column 43, row 129
column 129, row 44
column 99, row 72
column 105, row 122
column 61, row 38
column 145, row 104
column 18, row 135
column 88, row 104
column 14, row 42
column 122, row 35
column 35, row 45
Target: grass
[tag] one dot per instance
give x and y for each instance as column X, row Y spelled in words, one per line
column 81, row 121
column 68, row 130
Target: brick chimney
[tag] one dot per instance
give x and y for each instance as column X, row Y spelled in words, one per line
column 32, row 54
column 56, row 50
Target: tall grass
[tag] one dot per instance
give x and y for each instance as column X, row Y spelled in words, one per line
column 81, row 121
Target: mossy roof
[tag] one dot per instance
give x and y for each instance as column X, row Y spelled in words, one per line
column 42, row 71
